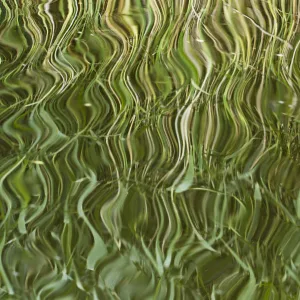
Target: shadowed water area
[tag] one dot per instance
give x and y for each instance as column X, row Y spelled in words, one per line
column 149, row 149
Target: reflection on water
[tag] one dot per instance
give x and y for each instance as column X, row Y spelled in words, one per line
column 149, row 149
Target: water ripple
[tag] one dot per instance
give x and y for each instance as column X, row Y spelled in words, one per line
column 149, row 149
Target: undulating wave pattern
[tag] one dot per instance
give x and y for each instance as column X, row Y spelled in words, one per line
column 149, row 149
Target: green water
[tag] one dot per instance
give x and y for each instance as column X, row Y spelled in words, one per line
column 149, row 149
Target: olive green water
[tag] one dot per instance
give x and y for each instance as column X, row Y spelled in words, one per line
column 149, row 149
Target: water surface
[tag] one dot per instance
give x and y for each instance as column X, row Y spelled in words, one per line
column 149, row 149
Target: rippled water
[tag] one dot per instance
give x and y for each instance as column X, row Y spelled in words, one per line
column 149, row 149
